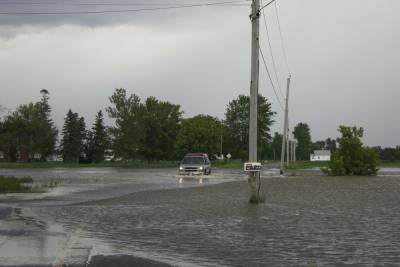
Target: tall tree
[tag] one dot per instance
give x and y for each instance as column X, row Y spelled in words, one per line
column 46, row 141
column 199, row 134
column 161, row 123
column 302, row 133
column 277, row 146
column 318, row 145
column 30, row 130
column 72, row 143
column 129, row 131
column 237, row 125
column 143, row 130
column 330, row 145
column 99, row 138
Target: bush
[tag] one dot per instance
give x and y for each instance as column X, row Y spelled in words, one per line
column 335, row 167
column 352, row 158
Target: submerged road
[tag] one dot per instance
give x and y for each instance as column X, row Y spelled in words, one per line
column 119, row 217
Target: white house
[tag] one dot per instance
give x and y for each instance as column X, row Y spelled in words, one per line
column 321, row 155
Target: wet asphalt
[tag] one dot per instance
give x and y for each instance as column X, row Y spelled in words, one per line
column 151, row 218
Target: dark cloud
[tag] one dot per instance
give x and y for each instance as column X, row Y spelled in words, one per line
column 343, row 57
column 121, row 11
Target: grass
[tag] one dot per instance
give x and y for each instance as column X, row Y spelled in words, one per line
column 389, row 164
column 319, row 164
column 308, row 164
column 11, row 184
column 130, row 164
column 228, row 164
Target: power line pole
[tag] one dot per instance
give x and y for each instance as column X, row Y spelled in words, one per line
column 255, row 48
column 285, row 127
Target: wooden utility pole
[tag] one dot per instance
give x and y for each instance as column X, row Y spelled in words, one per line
column 285, row 136
column 255, row 47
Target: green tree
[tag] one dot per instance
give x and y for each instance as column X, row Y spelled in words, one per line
column 351, row 158
column 74, row 134
column 161, row 123
column 199, row 134
column 46, row 140
column 98, row 138
column 144, row 130
column 129, row 131
column 29, row 130
column 8, row 139
column 330, row 145
column 277, row 146
column 237, row 125
column 302, row 133
column 318, row 145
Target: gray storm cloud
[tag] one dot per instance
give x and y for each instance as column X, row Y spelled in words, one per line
column 343, row 58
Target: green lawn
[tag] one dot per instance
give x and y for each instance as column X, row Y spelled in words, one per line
column 315, row 164
column 228, row 164
column 10, row 184
column 390, row 164
column 307, row 164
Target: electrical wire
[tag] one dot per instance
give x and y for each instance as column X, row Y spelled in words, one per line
column 123, row 10
column 270, row 79
column 267, row 5
column 238, row 2
column 272, row 56
column 281, row 36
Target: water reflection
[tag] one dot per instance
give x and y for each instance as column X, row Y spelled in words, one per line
column 306, row 220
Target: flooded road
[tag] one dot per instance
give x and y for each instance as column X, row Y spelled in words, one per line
column 307, row 220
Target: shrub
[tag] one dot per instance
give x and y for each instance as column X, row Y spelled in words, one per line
column 335, row 166
column 352, row 158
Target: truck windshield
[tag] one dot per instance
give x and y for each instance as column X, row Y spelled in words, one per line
column 193, row 160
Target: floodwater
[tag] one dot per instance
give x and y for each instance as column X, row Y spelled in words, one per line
column 307, row 220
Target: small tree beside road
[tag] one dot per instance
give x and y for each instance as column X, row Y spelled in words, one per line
column 302, row 133
column 352, row 158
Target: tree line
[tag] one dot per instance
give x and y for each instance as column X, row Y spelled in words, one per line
column 149, row 130
column 302, row 133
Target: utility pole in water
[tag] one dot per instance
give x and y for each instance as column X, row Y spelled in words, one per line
column 254, row 180
column 285, row 137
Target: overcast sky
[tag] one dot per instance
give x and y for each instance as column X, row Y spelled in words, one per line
column 343, row 55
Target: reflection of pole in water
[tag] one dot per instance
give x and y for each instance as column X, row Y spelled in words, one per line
column 200, row 180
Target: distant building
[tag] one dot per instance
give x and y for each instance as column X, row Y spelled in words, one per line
column 321, row 155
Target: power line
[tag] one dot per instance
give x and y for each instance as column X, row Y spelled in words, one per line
column 281, row 36
column 238, row 2
column 234, row 3
column 272, row 56
column 270, row 79
column 270, row 2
